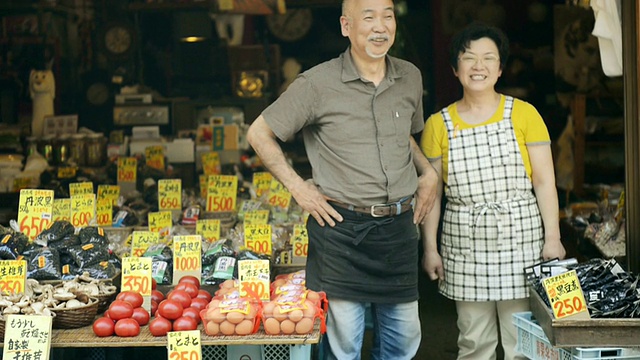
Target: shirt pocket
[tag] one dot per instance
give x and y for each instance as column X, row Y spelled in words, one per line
column 402, row 124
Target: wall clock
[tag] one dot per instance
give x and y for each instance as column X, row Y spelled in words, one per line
column 292, row 25
column 117, row 40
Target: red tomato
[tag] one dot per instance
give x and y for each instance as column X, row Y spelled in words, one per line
column 189, row 288
column 190, row 279
column 127, row 328
column 154, row 307
column 141, row 316
column 160, row 326
column 185, row 323
column 134, row 298
column 192, row 312
column 157, row 296
column 180, row 296
column 199, row 303
column 120, row 309
column 103, row 327
column 154, row 284
column 204, row 294
column 170, row 309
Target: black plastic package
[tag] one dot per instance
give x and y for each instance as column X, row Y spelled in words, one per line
column 93, row 235
column 44, row 265
column 12, row 245
column 57, row 230
column 89, row 254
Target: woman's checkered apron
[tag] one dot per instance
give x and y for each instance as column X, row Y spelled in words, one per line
column 492, row 227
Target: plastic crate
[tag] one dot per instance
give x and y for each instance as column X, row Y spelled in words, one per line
column 533, row 344
column 256, row 352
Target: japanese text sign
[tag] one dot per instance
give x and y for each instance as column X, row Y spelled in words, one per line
column 254, row 278
column 35, row 210
column 565, row 295
column 187, row 255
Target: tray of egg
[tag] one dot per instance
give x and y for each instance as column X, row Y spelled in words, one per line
column 290, row 313
column 231, row 316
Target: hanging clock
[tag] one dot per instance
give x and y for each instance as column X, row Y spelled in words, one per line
column 292, row 25
column 117, row 40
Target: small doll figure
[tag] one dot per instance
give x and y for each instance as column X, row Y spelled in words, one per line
column 42, row 88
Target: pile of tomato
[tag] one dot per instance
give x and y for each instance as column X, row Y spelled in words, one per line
column 124, row 316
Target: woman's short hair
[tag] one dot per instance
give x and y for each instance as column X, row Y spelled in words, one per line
column 474, row 31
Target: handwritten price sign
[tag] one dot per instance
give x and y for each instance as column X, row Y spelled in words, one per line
column 127, row 169
column 141, row 240
column 136, row 277
column 258, row 238
column 66, row 172
column 35, row 210
column 154, row 157
column 184, row 345
column 187, row 254
column 279, row 196
column 13, row 273
column 160, row 222
column 254, row 278
column 565, row 295
column 104, row 213
column 208, row 229
column 27, row 337
column 61, row 210
column 211, row 163
column 170, row 194
column 83, row 209
column 109, row 192
column 256, row 217
column 221, row 193
column 300, row 244
column 80, row 188
column 261, row 182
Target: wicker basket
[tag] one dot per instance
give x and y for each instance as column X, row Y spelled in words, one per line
column 77, row 317
column 104, row 300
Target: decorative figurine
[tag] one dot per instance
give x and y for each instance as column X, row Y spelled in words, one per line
column 42, row 88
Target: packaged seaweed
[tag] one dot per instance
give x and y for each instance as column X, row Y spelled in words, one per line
column 44, row 265
column 12, row 244
column 101, row 270
column 57, row 230
column 88, row 254
column 93, row 235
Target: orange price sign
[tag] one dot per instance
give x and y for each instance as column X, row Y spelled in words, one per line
column 170, row 194
column 104, row 212
column 254, row 278
column 222, row 193
column 184, row 345
column 110, row 192
column 127, row 169
column 61, row 210
column 83, row 209
column 300, row 244
column 565, row 295
column 256, row 217
column 80, row 188
column 261, row 182
column 258, row 238
column 187, row 255
column 141, row 240
column 160, row 222
column 211, row 163
column 154, row 156
column 209, row 229
column 279, row 196
column 136, row 277
column 13, row 273
column 35, row 210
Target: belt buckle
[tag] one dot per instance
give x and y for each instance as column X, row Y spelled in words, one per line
column 373, row 207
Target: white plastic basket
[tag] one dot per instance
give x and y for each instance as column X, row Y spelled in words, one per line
column 256, row 352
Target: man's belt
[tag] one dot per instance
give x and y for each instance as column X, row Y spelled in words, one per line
column 380, row 210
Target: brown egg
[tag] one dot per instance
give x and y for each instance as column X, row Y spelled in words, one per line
column 227, row 328
column 245, row 327
column 304, row 326
column 213, row 303
column 235, row 317
column 313, row 296
column 278, row 282
column 216, row 316
column 267, row 310
column 287, row 327
column 296, row 315
column 309, row 309
column 278, row 314
column 212, row 328
column 272, row 326
column 228, row 284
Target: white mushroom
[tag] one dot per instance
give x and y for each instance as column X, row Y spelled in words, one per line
column 73, row 303
column 13, row 309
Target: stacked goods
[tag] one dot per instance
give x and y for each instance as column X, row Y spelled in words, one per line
column 124, row 316
column 228, row 313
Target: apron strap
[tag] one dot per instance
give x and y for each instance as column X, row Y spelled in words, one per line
column 364, row 228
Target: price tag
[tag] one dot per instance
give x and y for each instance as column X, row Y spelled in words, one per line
column 222, row 193
column 160, row 222
column 67, row 172
column 225, row 5
column 136, row 277
column 211, row 163
column 208, row 229
column 258, row 238
column 279, row 196
column 104, row 213
column 13, row 273
column 565, row 296
column 80, row 188
column 141, row 240
column 299, row 244
column 254, row 278
column 256, row 217
column 61, row 210
column 170, row 194
column 27, row 337
column 262, row 182
column 127, row 169
column 184, row 345
column 83, row 209
column 154, row 156
column 248, row 205
column 187, row 255
column 35, row 210
column 110, row 192
column 20, row 183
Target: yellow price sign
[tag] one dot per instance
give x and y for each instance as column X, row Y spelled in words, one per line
column 184, row 345
column 222, row 193
column 35, row 210
column 20, row 183
column 225, row 5
column 211, row 163
column 256, row 217
column 187, row 255
column 27, row 337
column 565, row 295
column 127, row 169
column 254, row 277
column 203, row 181
column 262, row 182
column 154, row 157
column 136, row 277
column 208, row 229
column 104, row 213
column 299, row 244
column 80, row 188
column 170, row 194
column 61, row 210
column 13, row 273
column 109, row 192
column 67, row 172
column 141, row 240
column 257, row 238
column 83, row 209
column 279, row 196
column 160, row 222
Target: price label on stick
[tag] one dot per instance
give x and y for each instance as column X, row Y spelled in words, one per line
column 104, row 212
column 279, row 196
column 256, row 217
column 13, row 273
column 160, row 222
column 211, row 163
column 127, row 169
column 109, row 192
column 61, row 210
column 299, row 244
column 83, row 209
column 154, row 157
column 184, row 345
column 35, row 210
column 254, row 278
column 187, row 254
column 222, row 193
column 262, row 182
column 136, row 277
column 565, row 296
column 141, row 240
column 258, row 238
column 208, row 229
column 170, row 194
column 80, row 188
